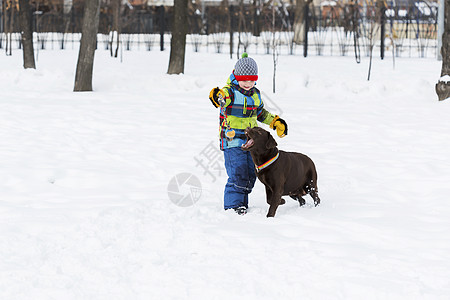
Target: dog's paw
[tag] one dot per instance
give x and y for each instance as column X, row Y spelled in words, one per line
column 301, row 201
column 282, row 201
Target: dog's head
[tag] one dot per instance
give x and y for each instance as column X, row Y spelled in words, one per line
column 258, row 139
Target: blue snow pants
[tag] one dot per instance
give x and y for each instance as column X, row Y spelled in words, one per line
column 241, row 177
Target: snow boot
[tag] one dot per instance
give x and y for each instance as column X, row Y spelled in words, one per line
column 241, row 210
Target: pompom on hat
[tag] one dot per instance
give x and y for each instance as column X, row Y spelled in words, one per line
column 246, row 69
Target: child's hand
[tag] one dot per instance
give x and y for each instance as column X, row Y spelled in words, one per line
column 216, row 96
column 280, row 125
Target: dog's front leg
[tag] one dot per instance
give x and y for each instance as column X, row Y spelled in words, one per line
column 274, row 200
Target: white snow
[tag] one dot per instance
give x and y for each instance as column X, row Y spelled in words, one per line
column 84, row 204
column 445, row 78
column 328, row 3
column 426, row 8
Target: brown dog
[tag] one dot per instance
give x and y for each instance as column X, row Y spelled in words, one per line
column 283, row 173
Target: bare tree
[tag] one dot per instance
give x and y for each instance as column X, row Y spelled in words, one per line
column 85, row 65
column 443, row 85
column 299, row 21
column 374, row 20
column 115, row 30
column 8, row 24
column 178, row 42
column 275, row 44
column 27, row 34
column 371, row 42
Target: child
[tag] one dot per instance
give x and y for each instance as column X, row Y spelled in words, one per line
column 240, row 107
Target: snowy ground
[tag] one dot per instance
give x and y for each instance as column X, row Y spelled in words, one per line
column 84, row 204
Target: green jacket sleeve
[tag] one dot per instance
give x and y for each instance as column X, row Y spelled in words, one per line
column 264, row 116
column 228, row 97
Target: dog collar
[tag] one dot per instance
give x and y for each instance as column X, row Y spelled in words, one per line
column 267, row 163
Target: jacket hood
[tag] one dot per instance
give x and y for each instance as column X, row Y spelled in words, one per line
column 232, row 80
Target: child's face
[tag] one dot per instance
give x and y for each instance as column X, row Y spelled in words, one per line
column 246, row 85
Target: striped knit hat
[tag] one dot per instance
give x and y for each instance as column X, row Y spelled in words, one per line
column 246, row 69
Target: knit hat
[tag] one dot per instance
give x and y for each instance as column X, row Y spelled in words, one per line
column 246, row 69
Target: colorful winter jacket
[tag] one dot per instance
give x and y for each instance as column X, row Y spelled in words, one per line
column 241, row 111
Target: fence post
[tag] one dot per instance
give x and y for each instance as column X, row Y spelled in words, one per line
column 306, row 20
column 162, row 25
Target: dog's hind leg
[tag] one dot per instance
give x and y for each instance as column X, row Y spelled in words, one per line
column 299, row 198
column 315, row 196
column 313, row 192
column 311, row 186
column 301, row 201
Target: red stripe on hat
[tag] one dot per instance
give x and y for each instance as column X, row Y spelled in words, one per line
column 246, row 77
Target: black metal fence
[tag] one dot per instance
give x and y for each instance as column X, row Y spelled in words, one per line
column 331, row 30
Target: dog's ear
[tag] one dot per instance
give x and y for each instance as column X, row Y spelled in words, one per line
column 270, row 141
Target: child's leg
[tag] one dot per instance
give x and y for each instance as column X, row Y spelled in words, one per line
column 240, row 182
column 251, row 171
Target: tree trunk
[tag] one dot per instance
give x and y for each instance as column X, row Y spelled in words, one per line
column 178, row 42
column 85, row 65
column 231, row 24
column 382, row 15
column 256, row 18
column 443, row 85
column 8, row 15
column 299, row 21
column 27, row 34
column 115, row 27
